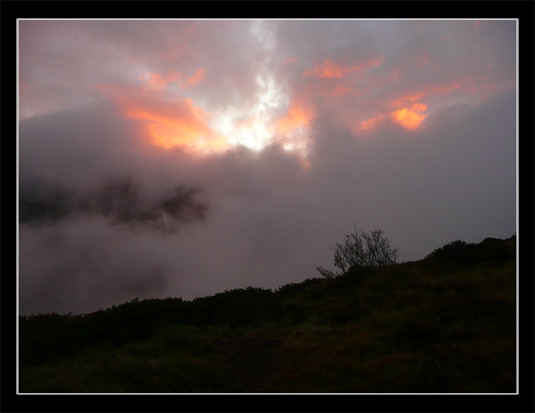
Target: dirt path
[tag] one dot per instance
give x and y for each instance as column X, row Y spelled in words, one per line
column 251, row 364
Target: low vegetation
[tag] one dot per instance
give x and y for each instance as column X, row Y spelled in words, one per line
column 444, row 324
column 368, row 251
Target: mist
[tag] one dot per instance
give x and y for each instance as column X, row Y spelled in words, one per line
column 107, row 213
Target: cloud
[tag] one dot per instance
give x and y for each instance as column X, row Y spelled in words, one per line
column 174, row 124
column 410, row 118
column 183, row 158
column 331, row 70
column 157, row 81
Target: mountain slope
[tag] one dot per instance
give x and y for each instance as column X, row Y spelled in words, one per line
column 443, row 324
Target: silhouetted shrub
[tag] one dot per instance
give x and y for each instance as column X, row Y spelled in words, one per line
column 361, row 250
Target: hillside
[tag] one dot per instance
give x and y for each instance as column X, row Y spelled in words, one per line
column 444, row 324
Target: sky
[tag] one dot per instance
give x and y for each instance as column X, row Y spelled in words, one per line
column 182, row 158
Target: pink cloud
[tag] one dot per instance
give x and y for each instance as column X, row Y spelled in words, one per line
column 157, row 81
column 289, row 60
column 371, row 123
column 331, row 70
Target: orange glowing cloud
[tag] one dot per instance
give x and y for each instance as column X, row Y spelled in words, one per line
column 179, row 124
column 298, row 116
column 410, row 119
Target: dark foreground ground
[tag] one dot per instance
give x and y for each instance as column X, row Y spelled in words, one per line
column 445, row 324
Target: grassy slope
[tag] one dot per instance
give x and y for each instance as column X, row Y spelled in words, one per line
column 444, row 324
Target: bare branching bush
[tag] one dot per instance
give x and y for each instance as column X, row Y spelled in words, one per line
column 370, row 251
